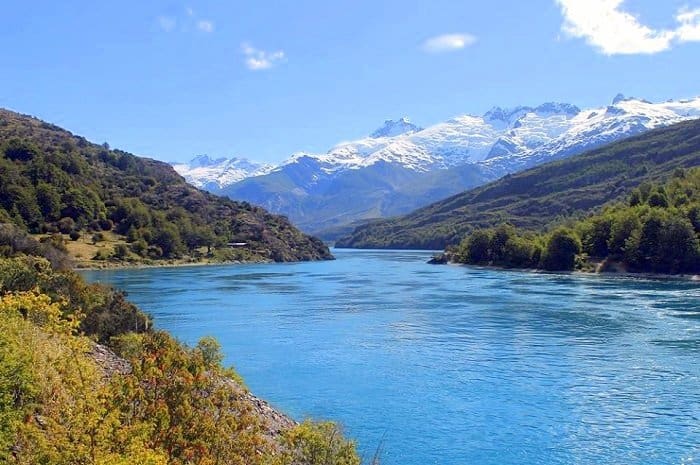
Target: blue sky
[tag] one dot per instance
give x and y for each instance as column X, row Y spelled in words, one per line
column 263, row 79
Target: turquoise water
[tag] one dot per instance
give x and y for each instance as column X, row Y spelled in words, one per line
column 453, row 365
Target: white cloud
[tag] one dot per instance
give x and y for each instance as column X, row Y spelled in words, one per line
column 447, row 43
column 613, row 31
column 185, row 22
column 167, row 23
column 205, row 25
column 689, row 29
column 256, row 60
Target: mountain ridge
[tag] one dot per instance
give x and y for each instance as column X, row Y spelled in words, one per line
column 538, row 196
column 389, row 174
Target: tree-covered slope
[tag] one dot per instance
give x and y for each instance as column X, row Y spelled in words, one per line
column 537, row 197
column 656, row 230
column 53, row 182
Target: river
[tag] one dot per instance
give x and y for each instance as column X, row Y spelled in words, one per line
column 452, row 365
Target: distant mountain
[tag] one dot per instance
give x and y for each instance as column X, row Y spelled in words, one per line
column 393, row 128
column 534, row 198
column 135, row 209
column 205, row 173
column 401, row 166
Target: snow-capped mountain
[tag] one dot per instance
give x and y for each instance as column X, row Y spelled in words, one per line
column 401, row 166
column 394, row 128
column 589, row 129
column 205, row 173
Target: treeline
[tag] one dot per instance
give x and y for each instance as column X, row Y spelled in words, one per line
column 656, row 230
column 63, row 401
column 52, row 182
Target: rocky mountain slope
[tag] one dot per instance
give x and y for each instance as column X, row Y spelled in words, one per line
column 400, row 166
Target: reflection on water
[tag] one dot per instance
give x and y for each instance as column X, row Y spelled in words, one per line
column 455, row 365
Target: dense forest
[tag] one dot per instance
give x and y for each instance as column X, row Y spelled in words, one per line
column 540, row 197
column 111, row 205
column 85, row 379
column 656, row 230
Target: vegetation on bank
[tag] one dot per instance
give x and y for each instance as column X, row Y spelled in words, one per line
column 111, row 206
column 151, row 401
column 656, row 230
column 540, row 197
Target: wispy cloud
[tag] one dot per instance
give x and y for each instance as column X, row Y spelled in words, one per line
column 604, row 25
column 167, row 23
column 185, row 21
column 256, row 59
column 205, row 25
column 447, row 43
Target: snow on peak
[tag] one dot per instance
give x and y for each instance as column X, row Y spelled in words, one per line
column 506, row 115
column 393, row 128
column 507, row 139
column 204, row 161
column 619, row 98
column 551, row 108
column 207, row 173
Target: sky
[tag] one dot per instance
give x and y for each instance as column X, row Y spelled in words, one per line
column 263, row 79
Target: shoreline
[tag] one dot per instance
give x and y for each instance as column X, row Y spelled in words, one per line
column 604, row 274
column 106, row 266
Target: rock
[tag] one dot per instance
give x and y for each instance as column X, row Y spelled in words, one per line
column 440, row 259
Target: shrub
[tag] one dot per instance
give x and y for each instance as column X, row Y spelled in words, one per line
column 66, row 225
column 102, row 254
column 319, row 444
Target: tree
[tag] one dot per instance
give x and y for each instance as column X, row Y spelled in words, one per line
column 49, row 201
column 500, row 237
column 476, row 247
column 168, row 239
column 561, row 250
column 19, row 150
column 623, row 225
column 595, row 235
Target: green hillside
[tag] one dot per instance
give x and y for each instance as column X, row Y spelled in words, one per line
column 108, row 206
column 655, row 231
column 543, row 195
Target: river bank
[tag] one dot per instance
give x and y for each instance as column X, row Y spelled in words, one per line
column 607, row 268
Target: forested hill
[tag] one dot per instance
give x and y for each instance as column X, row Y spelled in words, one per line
column 113, row 206
column 541, row 196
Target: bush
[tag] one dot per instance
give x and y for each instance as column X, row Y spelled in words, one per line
column 74, row 235
column 102, row 254
column 319, row 444
column 139, row 247
column 66, row 225
column 121, row 251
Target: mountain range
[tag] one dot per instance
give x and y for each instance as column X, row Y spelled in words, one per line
column 539, row 197
column 401, row 166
